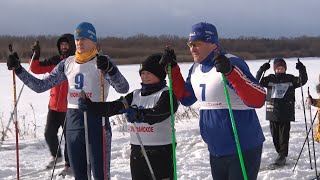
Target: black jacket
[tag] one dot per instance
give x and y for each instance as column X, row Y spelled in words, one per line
column 281, row 109
column 160, row 111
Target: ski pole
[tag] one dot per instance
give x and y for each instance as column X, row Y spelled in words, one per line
column 306, row 139
column 104, row 132
column 312, row 136
column 15, row 115
column 305, row 118
column 173, row 137
column 86, row 134
column 126, row 106
column 59, row 147
column 17, row 101
column 264, row 72
column 234, row 128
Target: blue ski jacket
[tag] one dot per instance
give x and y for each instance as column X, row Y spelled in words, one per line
column 205, row 86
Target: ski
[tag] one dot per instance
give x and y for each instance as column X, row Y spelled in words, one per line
column 274, row 166
column 32, row 173
column 65, row 172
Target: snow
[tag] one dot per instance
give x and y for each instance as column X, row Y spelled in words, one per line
column 192, row 153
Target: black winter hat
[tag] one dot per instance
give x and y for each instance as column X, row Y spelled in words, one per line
column 69, row 38
column 279, row 62
column 152, row 65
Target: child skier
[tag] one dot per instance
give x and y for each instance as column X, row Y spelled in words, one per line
column 280, row 102
column 149, row 107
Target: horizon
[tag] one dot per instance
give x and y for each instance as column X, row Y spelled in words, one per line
column 170, row 35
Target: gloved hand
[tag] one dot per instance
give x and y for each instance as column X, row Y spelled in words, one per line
column 133, row 114
column 36, row 50
column 223, row 64
column 299, row 65
column 310, row 100
column 265, row 66
column 168, row 57
column 13, row 61
column 100, row 108
column 84, row 103
column 103, row 63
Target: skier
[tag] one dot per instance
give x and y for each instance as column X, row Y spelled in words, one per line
column 83, row 73
column 205, row 85
column 316, row 103
column 58, row 97
column 149, row 107
column 280, row 102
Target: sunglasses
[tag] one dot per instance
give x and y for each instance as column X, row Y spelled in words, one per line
column 194, row 44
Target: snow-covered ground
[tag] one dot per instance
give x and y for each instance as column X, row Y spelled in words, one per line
column 192, row 154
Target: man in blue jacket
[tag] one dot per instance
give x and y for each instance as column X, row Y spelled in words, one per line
column 205, row 85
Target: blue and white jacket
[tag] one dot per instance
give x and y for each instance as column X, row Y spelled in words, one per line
column 84, row 76
column 205, row 85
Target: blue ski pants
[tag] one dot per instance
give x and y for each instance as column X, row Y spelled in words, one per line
column 77, row 145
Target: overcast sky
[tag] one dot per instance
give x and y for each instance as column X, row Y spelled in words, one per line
column 123, row 18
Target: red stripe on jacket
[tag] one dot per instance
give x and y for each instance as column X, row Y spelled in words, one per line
column 178, row 83
column 252, row 94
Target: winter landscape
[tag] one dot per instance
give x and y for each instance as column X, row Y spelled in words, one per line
column 192, row 153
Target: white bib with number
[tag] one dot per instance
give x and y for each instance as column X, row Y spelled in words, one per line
column 279, row 90
column 84, row 77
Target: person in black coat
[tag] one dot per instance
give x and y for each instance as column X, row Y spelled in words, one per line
column 280, row 107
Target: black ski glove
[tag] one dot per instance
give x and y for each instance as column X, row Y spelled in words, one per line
column 168, row 57
column 265, row 66
column 100, row 108
column 299, row 65
column 223, row 64
column 36, row 49
column 103, row 63
column 133, row 114
column 13, row 62
column 312, row 101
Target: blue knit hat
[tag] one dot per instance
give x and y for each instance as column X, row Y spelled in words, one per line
column 205, row 32
column 85, row 30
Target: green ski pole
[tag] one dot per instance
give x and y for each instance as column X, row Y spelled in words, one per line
column 173, row 138
column 234, row 128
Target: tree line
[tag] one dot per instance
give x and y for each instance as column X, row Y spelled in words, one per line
column 134, row 49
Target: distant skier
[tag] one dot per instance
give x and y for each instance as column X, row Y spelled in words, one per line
column 280, row 110
column 316, row 103
column 83, row 73
column 58, row 97
column 149, row 108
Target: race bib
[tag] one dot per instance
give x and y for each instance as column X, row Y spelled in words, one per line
column 279, row 90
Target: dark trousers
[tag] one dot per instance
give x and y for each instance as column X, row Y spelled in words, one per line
column 160, row 158
column 77, row 145
column 229, row 168
column 280, row 132
column 55, row 120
